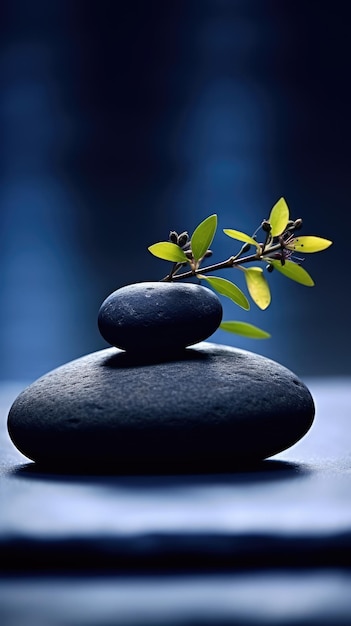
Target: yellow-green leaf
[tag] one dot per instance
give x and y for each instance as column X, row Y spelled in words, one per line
column 258, row 287
column 237, row 234
column 247, row 330
column 309, row 244
column 293, row 271
column 202, row 236
column 168, row 251
column 227, row 288
column 279, row 217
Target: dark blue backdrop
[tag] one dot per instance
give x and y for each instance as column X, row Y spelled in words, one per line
column 123, row 120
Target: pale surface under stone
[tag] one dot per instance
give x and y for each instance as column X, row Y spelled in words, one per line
column 290, row 517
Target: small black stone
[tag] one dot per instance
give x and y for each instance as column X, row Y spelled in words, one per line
column 159, row 316
column 211, row 409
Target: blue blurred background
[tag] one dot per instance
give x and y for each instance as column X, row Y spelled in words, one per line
column 123, row 120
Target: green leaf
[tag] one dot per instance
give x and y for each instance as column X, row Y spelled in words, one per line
column 309, row 244
column 202, row 236
column 168, row 251
column 230, row 290
column 279, row 217
column 237, row 234
column 258, row 287
column 293, row 271
column 247, row 330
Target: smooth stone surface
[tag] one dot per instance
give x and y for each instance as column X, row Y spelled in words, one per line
column 157, row 316
column 212, row 409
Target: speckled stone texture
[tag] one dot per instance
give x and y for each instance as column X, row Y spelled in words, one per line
column 159, row 317
column 213, row 408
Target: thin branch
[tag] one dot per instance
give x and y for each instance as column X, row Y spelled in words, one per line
column 233, row 261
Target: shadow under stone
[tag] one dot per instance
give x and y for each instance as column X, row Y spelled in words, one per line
column 260, row 472
column 127, row 359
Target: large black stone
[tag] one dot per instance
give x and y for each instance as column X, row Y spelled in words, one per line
column 159, row 316
column 211, row 409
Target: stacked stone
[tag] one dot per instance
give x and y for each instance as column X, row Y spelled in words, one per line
column 162, row 399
